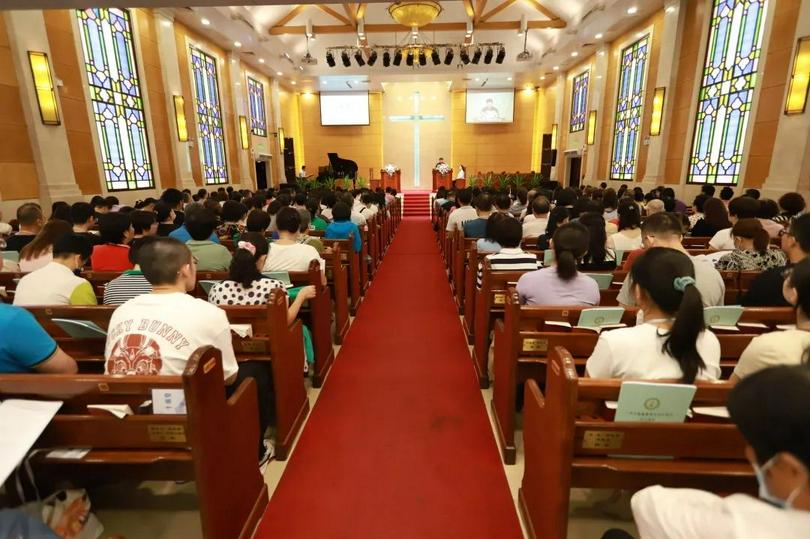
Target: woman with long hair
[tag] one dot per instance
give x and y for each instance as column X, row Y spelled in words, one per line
column 113, row 254
column 39, row 252
column 610, row 203
column 751, row 249
column 489, row 243
column 561, row 283
column 556, row 217
column 715, row 219
column 673, row 341
column 628, row 238
column 598, row 257
column 789, row 347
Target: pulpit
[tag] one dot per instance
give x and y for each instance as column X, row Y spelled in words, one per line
column 390, row 179
column 442, row 180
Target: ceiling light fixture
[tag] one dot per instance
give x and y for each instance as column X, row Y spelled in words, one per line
column 293, row 82
column 524, row 25
column 488, row 56
column 344, row 57
column 632, row 10
column 574, row 54
column 414, row 13
column 237, row 44
column 409, row 58
column 476, row 55
column 398, row 57
column 204, row 21
column 278, row 73
column 386, row 58
column 464, row 54
column 330, row 59
column 448, row 58
column 422, row 58
column 501, row 56
column 261, row 60
column 358, row 57
column 670, row 9
column 598, row 36
column 435, row 57
column 372, row 58
column 556, row 68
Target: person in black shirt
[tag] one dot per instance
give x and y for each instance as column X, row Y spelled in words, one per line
column 766, row 289
column 165, row 218
column 83, row 217
column 31, row 222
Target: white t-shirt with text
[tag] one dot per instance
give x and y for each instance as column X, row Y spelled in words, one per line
column 460, row 216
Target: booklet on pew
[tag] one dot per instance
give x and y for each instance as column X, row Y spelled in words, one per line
column 80, row 329
column 548, row 257
column 723, row 318
column 654, row 402
column 11, row 256
column 282, row 276
column 604, row 280
column 207, row 285
column 597, row 319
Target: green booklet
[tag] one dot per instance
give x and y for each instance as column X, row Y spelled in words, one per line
column 80, row 329
column 282, row 276
column 548, row 257
column 600, row 317
column 602, row 279
column 207, row 286
column 654, row 402
column 726, row 316
column 619, row 256
column 11, row 256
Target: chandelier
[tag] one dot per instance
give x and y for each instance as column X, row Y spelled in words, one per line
column 414, row 13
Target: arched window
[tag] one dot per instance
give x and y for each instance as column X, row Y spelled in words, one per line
column 211, row 138
column 629, row 104
column 116, row 97
column 258, row 117
column 727, row 90
column 579, row 101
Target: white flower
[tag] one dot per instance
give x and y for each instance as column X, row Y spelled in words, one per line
column 443, row 168
column 390, row 168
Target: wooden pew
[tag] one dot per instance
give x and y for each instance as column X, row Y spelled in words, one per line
column 214, row 444
column 523, row 342
column 567, row 445
column 272, row 341
column 460, row 268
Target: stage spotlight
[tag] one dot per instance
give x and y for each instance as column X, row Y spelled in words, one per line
column 358, row 57
column 448, row 59
column 372, row 58
column 330, row 59
column 464, row 54
column 397, row 57
column 422, row 58
column 435, row 57
column 488, row 56
column 501, row 56
column 344, row 57
column 386, row 58
column 409, row 59
column 476, row 56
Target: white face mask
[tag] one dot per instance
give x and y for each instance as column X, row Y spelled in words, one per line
column 765, row 492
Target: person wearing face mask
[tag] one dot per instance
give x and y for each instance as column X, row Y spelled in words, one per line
column 56, row 283
column 789, row 347
column 771, row 408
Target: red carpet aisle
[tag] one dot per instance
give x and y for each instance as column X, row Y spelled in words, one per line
column 399, row 444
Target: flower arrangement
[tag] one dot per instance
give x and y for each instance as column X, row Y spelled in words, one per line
column 390, row 168
column 443, row 168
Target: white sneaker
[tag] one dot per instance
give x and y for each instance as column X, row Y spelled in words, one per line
column 269, row 454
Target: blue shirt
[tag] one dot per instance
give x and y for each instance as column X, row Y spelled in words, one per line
column 181, row 233
column 23, row 342
column 340, row 230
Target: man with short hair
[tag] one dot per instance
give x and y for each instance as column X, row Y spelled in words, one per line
column 56, row 283
column 465, row 212
column 654, row 206
column 26, row 347
column 31, row 221
column 740, row 208
column 766, row 289
column 771, row 409
column 144, row 223
column 477, row 227
column 82, row 217
column 132, row 282
column 210, row 256
column 536, row 226
column 726, row 194
column 509, row 234
column 666, row 230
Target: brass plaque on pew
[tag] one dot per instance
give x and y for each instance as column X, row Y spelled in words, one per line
column 598, row 439
column 499, row 299
column 253, row 346
column 535, row 345
column 166, row 433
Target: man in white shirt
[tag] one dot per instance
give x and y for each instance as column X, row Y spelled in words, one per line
column 665, row 230
column 739, row 208
column 537, row 225
column 465, row 212
column 771, row 408
column 287, row 254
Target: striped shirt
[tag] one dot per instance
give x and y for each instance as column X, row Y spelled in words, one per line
column 125, row 287
column 509, row 259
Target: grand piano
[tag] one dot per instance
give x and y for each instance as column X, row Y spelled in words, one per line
column 342, row 168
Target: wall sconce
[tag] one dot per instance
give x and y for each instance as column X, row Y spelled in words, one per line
column 553, row 136
column 591, row 128
column 657, row 111
column 280, row 135
column 180, row 118
column 243, row 133
column 43, row 85
column 799, row 78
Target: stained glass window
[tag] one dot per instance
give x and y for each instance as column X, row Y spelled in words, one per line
column 258, row 118
column 632, row 74
column 211, row 138
column 115, row 94
column 726, row 92
column 579, row 102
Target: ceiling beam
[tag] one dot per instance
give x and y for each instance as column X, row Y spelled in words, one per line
column 361, row 11
column 436, row 27
column 497, row 9
column 468, row 7
column 351, row 13
column 329, row 11
column 293, row 13
column 543, row 9
column 479, row 9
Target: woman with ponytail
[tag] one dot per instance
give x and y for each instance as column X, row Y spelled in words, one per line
column 246, row 285
column 561, row 283
column 789, row 347
column 672, row 342
column 751, row 249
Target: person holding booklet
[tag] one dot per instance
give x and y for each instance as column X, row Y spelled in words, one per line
column 672, row 342
column 771, row 408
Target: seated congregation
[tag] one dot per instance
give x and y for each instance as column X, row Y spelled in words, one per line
column 576, row 299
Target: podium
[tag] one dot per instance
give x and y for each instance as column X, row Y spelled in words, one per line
column 390, row 180
column 442, row 180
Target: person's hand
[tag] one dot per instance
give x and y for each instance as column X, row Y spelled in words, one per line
column 308, row 292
